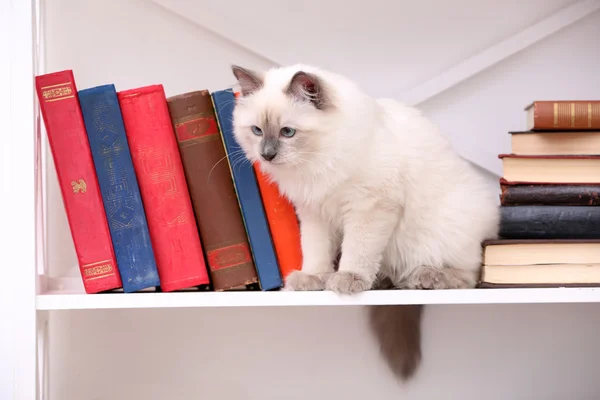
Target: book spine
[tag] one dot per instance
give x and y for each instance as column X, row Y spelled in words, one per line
column 549, row 195
column 61, row 112
column 248, row 196
column 549, row 222
column 211, row 190
column 551, row 115
column 157, row 164
column 119, row 188
column 283, row 224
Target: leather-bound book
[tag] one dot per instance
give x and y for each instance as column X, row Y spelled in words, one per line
column 548, row 194
column 563, row 115
column 549, row 222
column 211, row 190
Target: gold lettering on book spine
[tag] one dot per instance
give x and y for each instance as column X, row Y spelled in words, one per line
column 589, row 115
column 572, row 115
column 555, row 114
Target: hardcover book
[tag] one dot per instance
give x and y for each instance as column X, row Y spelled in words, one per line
column 540, row 251
column 540, row 275
column 248, row 196
column 530, row 143
column 61, row 112
column 156, row 161
column 551, row 169
column 283, row 224
column 564, row 114
column 211, row 189
column 548, row 194
column 549, row 222
column 119, row 188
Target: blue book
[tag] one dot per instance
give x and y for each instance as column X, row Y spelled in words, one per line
column 118, row 184
column 246, row 187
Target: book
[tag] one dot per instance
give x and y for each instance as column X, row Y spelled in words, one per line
column 548, row 194
column 211, row 190
column 528, row 251
column 283, row 224
column 555, row 143
column 563, row 114
column 551, row 169
column 157, row 164
column 540, row 275
column 549, row 222
column 61, row 112
column 119, row 188
column 250, row 202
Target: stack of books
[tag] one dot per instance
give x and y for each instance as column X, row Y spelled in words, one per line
column 157, row 193
column 550, row 198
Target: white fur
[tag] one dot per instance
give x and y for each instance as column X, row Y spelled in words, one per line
column 372, row 176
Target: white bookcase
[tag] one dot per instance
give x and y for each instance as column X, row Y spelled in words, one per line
column 31, row 294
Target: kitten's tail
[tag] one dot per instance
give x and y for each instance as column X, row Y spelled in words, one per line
column 398, row 331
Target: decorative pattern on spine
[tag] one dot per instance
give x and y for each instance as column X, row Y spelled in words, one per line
column 173, row 229
column 119, row 187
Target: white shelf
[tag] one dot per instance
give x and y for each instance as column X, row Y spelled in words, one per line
column 79, row 301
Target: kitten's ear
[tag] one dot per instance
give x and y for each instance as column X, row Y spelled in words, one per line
column 249, row 81
column 305, row 86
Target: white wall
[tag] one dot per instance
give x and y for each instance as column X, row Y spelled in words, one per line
column 469, row 351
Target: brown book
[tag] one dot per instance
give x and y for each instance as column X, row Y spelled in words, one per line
column 563, row 115
column 549, row 194
column 211, row 189
column 531, row 143
column 551, row 169
column 541, row 251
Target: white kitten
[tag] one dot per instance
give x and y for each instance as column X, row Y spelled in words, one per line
column 371, row 179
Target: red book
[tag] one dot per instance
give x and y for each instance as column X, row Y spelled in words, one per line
column 157, row 164
column 81, row 195
column 283, row 223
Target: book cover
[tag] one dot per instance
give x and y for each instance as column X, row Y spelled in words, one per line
column 248, row 196
column 556, row 169
column 549, row 194
column 557, row 142
column 211, row 189
column 61, row 112
column 283, row 224
column 563, row 114
column 549, row 222
column 118, row 185
column 157, row 164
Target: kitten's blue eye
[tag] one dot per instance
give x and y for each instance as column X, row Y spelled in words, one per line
column 256, row 130
column 287, row 132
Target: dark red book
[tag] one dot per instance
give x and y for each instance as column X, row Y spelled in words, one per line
column 157, row 164
column 59, row 104
column 548, row 194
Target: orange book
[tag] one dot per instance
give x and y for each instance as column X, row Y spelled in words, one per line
column 283, row 224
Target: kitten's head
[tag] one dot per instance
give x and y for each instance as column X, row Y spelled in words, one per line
column 284, row 118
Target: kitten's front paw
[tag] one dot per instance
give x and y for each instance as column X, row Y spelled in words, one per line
column 299, row 280
column 343, row 282
column 441, row 278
